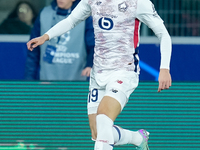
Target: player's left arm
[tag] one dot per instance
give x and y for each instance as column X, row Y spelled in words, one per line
column 165, row 49
column 148, row 15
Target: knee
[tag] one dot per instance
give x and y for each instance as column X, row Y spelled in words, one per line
column 103, row 122
column 104, row 129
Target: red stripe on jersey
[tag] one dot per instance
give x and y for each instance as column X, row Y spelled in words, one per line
column 136, row 33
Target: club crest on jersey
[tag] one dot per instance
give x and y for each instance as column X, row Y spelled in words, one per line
column 122, row 7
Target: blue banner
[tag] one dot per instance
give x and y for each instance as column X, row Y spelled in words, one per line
column 184, row 61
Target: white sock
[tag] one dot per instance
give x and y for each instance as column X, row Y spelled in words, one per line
column 105, row 139
column 123, row 136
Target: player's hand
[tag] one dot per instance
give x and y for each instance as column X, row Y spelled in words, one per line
column 86, row 71
column 37, row 41
column 164, row 79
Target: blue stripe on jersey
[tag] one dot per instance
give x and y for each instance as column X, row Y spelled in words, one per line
column 136, row 61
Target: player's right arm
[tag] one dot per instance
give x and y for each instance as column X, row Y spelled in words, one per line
column 80, row 13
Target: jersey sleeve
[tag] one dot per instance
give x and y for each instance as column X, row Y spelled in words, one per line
column 147, row 14
column 80, row 13
column 165, row 45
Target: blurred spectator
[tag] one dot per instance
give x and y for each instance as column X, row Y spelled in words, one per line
column 190, row 17
column 192, row 25
column 20, row 20
column 181, row 16
column 68, row 57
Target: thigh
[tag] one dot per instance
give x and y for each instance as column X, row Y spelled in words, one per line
column 110, row 107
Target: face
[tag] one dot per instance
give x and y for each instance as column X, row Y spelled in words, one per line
column 25, row 14
column 64, row 4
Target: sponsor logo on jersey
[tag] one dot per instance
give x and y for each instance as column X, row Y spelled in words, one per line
column 122, row 7
column 106, row 15
column 106, row 23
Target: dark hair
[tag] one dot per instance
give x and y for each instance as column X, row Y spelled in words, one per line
column 14, row 13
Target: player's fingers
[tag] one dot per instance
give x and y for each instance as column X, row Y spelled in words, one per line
column 34, row 45
column 170, row 83
column 31, row 44
column 167, row 85
column 164, row 85
column 161, row 86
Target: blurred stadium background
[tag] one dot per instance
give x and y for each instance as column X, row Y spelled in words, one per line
column 52, row 115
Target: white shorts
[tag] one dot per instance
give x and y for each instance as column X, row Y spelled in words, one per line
column 116, row 84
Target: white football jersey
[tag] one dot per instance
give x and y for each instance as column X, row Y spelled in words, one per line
column 116, row 26
column 116, row 34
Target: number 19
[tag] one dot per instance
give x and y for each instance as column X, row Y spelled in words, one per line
column 93, row 95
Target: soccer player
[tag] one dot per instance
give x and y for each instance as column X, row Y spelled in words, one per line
column 114, row 75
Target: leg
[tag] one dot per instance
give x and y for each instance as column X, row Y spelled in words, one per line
column 92, row 123
column 109, row 108
column 121, row 136
column 117, row 91
column 138, row 138
column 94, row 98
